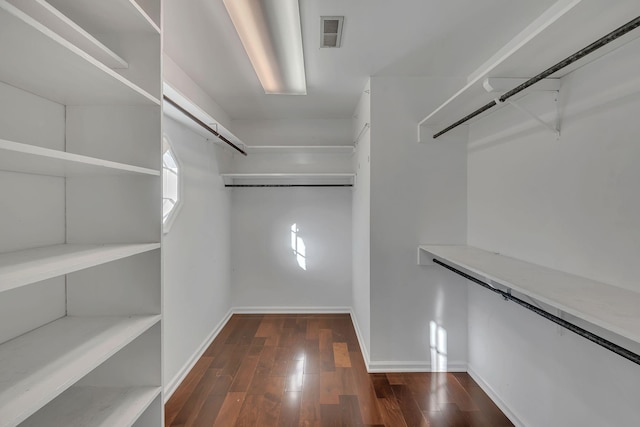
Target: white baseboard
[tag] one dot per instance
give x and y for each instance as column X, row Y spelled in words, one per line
column 494, row 397
column 363, row 348
column 172, row 385
column 290, row 310
column 397, row 366
column 411, row 366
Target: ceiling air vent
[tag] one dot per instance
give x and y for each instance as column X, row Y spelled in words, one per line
column 331, row 31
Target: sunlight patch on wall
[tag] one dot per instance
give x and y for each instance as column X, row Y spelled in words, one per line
column 299, row 249
column 438, row 347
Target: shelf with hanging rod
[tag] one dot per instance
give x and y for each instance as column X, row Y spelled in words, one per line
column 545, row 41
column 300, row 149
column 181, row 109
column 288, row 179
column 611, row 308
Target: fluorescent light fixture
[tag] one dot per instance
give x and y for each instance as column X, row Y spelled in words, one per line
column 272, row 37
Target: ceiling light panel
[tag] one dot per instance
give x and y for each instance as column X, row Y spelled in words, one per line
column 271, row 34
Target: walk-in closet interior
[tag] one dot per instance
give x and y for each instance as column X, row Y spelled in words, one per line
column 319, row 212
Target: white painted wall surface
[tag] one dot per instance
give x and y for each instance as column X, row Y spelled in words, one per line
column 573, row 205
column 266, row 272
column 293, row 132
column 418, row 195
column 196, row 252
column 289, row 159
column 361, row 223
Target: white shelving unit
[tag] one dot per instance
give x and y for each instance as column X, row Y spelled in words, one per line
column 294, row 165
column 28, row 266
column 609, row 307
column 38, row 60
column 40, row 364
column 120, row 16
column 97, row 406
column 51, row 18
column 25, row 158
column 80, row 261
column 546, row 40
column 301, row 150
column 273, row 165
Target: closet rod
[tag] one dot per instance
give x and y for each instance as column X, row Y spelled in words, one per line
column 621, row 351
column 629, row 26
column 289, row 185
column 203, row 124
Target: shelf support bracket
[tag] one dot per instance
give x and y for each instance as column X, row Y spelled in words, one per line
column 555, row 129
column 501, row 84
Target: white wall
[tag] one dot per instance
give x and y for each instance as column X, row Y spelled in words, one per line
column 265, row 270
column 293, row 132
column 574, row 205
column 196, row 253
column 418, row 195
column 361, row 224
column 299, row 159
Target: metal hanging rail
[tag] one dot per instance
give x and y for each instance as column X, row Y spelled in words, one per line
column 615, row 34
column 621, row 351
column 203, row 124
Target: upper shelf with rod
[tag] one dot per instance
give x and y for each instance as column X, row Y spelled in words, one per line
column 545, row 39
column 180, row 108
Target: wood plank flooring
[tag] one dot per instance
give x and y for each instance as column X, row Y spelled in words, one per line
column 307, row 370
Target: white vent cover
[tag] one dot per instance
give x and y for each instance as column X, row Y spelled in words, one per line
column 331, row 31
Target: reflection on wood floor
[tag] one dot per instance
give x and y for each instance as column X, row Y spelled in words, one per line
column 307, row 370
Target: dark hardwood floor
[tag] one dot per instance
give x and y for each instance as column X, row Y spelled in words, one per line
column 307, row 370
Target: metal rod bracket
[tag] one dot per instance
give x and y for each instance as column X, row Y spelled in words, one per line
column 602, row 41
column 551, row 128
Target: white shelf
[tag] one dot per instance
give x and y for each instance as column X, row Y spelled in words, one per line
column 300, row 149
column 612, row 308
column 25, row 158
column 539, row 46
column 288, row 178
column 43, row 12
column 39, row 365
column 177, row 115
column 95, row 407
column 36, row 59
column 33, row 265
column 88, row 71
column 103, row 17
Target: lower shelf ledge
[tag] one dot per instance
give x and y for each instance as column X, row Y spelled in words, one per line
column 40, row 365
column 33, row 265
column 95, row 406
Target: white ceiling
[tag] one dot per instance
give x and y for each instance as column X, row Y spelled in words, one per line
column 445, row 38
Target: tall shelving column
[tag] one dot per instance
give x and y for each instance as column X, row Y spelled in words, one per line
column 80, row 187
